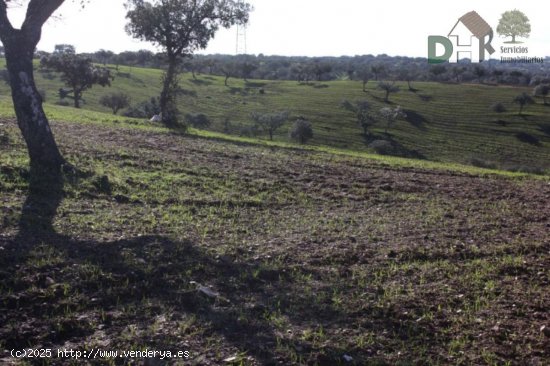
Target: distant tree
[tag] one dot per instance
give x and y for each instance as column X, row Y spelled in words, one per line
column 229, row 70
column 437, row 71
column 361, row 109
column 270, row 122
column 246, row 69
column 77, row 72
column 523, row 100
column 378, row 71
column 498, row 108
column 365, row 75
column 457, row 71
column 103, row 56
column 301, row 131
column 61, row 49
column 497, row 73
column 391, row 115
column 479, row 72
column 514, row 24
column 542, row 90
column 408, row 75
column 320, row 69
column 388, row 88
column 181, row 27
column 115, row 101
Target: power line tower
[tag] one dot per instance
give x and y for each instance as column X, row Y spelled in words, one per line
column 240, row 49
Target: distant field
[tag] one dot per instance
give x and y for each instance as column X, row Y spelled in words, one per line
column 447, row 123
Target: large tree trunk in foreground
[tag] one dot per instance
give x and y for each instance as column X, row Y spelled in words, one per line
column 19, row 48
column 27, row 103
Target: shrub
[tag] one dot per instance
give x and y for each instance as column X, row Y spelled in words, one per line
column 301, row 131
column 498, row 108
column 197, row 120
column 145, row 109
column 115, row 101
column 480, row 163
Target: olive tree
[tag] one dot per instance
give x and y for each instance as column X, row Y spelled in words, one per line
column 391, row 115
column 270, row 122
column 362, row 112
column 180, row 27
column 523, row 100
column 115, row 101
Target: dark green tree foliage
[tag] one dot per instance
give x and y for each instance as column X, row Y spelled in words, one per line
column 197, row 120
column 542, row 90
column 362, row 112
column 115, row 101
column 523, row 100
column 270, row 122
column 301, row 131
column 180, row 27
column 514, row 24
column 77, row 72
column 61, row 49
column 388, row 88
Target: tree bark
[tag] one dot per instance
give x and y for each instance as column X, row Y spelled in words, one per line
column 167, row 96
column 19, row 45
column 27, row 103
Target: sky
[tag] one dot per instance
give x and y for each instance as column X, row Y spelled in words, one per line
column 304, row 27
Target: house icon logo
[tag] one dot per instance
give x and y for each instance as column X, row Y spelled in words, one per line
column 470, row 38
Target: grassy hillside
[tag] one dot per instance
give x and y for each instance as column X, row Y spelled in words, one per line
column 303, row 257
column 448, row 123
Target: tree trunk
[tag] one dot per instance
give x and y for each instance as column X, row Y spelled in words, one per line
column 27, row 102
column 167, row 96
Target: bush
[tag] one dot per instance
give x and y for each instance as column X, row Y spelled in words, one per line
column 145, row 109
column 197, row 120
column 498, row 108
column 480, row 163
column 115, row 101
column 301, row 131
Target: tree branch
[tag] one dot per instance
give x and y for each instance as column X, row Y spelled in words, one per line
column 38, row 13
column 5, row 25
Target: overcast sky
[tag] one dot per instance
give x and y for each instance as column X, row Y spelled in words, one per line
column 306, row 27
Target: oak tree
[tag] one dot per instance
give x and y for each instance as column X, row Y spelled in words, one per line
column 180, row 27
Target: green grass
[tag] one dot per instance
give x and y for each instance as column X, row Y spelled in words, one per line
column 447, row 123
column 316, row 253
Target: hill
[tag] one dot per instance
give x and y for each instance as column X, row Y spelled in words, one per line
column 254, row 254
column 446, row 122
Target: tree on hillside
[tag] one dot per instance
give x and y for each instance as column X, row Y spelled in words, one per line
column 408, row 75
column 542, row 90
column 378, row 71
column 19, row 50
column 388, row 88
column 77, row 72
column 361, row 109
column 115, row 101
column 523, row 100
column 246, row 69
column 365, row 75
column 180, row 27
column 391, row 115
column 514, row 24
column 301, row 131
column 270, row 122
